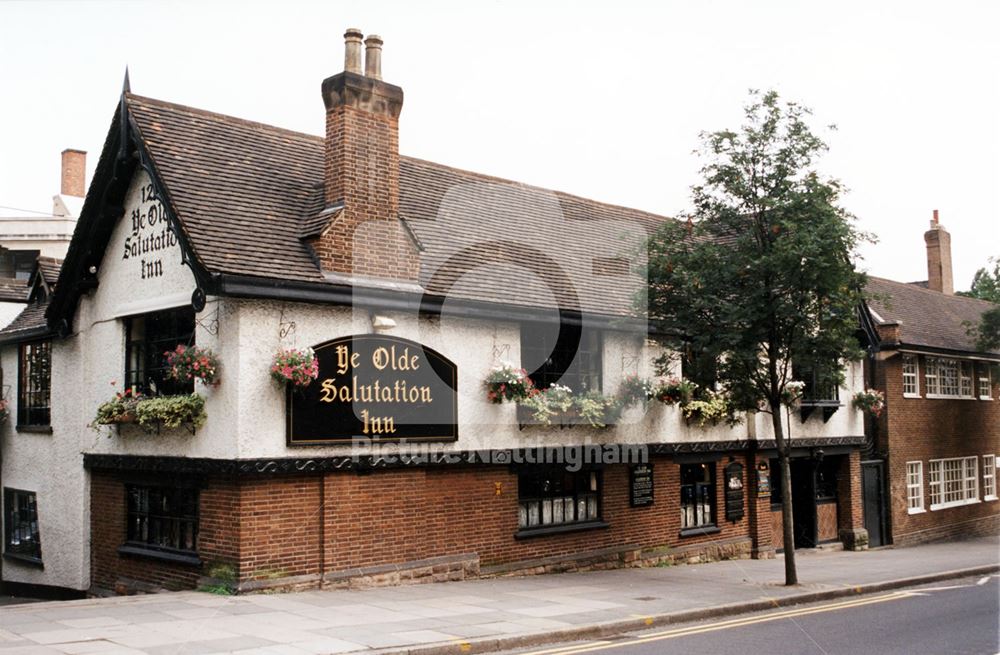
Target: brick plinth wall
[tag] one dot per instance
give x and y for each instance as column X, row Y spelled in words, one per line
column 922, row 429
column 112, row 571
column 314, row 527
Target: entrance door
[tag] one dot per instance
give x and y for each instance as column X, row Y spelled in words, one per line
column 874, row 502
column 804, row 502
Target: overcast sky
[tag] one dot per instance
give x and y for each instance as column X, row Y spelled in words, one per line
column 604, row 100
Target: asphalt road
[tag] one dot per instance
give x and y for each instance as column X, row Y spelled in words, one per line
column 961, row 616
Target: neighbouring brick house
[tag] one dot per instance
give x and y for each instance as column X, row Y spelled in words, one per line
column 412, row 280
column 931, row 472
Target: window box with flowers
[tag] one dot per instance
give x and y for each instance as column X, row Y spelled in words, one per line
column 151, row 413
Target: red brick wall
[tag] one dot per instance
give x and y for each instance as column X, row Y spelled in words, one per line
column 921, row 429
column 307, row 525
column 217, row 527
column 362, row 171
column 826, row 522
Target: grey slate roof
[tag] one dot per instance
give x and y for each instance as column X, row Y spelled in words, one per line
column 13, row 290
column 927, row 318
column 31, row 321
column 247, row 194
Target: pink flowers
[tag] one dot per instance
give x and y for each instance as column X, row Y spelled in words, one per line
column 193, row 363
column 298, row 367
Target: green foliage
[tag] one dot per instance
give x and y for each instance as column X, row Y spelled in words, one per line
column 217, row 589
column 709, row 408
column 172, row 411
column 597, row 410
column 761, row 274
column 985, row 283
column 120, row 409
column 986, row 286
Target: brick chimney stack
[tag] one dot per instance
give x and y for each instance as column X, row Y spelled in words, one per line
column 939, row 258
column 74, row 173
column 361, row 172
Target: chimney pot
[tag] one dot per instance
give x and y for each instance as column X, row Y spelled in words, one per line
column 373, row 57
column 352, row 50
column 74, row 173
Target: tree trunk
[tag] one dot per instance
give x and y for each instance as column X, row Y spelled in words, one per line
column 787, row 527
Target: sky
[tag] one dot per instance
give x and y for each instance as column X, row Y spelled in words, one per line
column 603, row 100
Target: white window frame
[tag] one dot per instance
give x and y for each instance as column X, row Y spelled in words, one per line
column 948, row 378
column 915, row 488
column 989, row 477
column 956, row 478
column 984, row 383
column 913, row 376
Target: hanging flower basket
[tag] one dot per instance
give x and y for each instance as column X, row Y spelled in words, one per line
column 635, row 390
column 193, row 363
column 297, row 367
column 507, row 383
column 792, row 392
column 675, row 391
column 871, row 401
column 4, row 411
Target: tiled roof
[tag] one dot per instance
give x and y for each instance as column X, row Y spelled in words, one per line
column 927, row 318
column 49, row 268
column 30, row 321
column 247, row 193
column 13, row 290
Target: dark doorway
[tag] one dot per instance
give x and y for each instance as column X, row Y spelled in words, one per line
column 874, row 502
column 804, row 502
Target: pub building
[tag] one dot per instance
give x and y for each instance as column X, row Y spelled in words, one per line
column 411, row 281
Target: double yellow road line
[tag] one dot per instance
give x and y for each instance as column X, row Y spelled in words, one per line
column 721, row 625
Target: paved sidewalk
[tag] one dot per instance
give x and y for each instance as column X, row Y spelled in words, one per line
column 477, row 613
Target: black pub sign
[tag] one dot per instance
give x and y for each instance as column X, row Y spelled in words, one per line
column 734, row 491
column 641, row 485
column 377, row 388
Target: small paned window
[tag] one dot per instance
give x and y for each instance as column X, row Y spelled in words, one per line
column 162, row 518
column 21, row 538
column 562, row 354
column 911, row 373
column 954, row 482
column 697, row 495
column 553, row 496
column 149, row 338
column 34, row 383
column 989, row 477
column 915, row 487
column 985, row 383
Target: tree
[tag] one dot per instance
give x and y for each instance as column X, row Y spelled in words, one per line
column 761, row 274
column 986, row 286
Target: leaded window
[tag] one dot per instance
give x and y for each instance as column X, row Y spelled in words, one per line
column 570, row 355
column 162, row 518
column 34, row 384
column 149, row 338
column 553, row 496
column 21, row 534
column 697, row 495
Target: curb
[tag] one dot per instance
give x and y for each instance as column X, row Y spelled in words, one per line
column 611, row 628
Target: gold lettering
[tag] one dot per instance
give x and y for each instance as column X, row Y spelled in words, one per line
column 329, row 391
column 377, row 424
column 425, row 395
column 346, row 360
column 380, row 358
column 345, row 394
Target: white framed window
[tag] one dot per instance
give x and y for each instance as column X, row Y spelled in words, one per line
column 965, row 374
column 954, row 482
column 948, row 378
column 989, row 477
column 915, row 487
column 911, row 376
column 985, row 383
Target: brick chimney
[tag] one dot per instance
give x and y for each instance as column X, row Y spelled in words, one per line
column 361, row 176
column 939, row 258
column 74, row 173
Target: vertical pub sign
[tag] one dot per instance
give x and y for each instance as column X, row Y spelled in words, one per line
column 378, row 388
column 734, row 491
